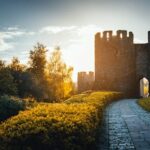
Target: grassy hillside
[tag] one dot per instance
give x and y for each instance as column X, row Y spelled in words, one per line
column 145, row 103
column 71, row 125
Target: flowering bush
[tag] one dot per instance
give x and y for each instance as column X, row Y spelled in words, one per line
column 71, row 125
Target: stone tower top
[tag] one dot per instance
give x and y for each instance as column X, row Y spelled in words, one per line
column 120, row 35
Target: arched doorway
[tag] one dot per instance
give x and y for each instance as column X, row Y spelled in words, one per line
column 144, row 87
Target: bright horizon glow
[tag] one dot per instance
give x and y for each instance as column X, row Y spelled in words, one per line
column 77, row 50
column 68, row 24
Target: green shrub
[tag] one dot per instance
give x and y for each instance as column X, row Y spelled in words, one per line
column 61, row 126
column 145, row 103
column 10, row 106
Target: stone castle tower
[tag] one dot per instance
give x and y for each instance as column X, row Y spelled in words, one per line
column 85, row 81
column 119, row 63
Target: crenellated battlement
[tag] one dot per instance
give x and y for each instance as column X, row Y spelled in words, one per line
column 86, row 75
column 120, row 35
column 107, row 34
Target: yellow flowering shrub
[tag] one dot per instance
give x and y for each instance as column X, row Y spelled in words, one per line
column 71, row 125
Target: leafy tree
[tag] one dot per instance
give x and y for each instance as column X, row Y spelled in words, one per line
column 15, row 65
column 26, row 84
column 38, row 60
column 7, row 86
column 17, row 71
column 2, row 64
column 37, row 69
column 60, row 76
column 45, row 81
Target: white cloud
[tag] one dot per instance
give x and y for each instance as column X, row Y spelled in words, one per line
column 8, row 35
column 11, row 33
column 30, row 33
column 4, row 36
column 56, row 29
column 12, row 28
column 80, row 30
column 4, row 45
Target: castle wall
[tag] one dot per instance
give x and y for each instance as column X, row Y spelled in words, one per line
column 115, row 67
column 85, row 81
column 119, row 64
column 141, row 60
column 142, row 63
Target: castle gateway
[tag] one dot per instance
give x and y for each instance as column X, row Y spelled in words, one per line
column 120, row 63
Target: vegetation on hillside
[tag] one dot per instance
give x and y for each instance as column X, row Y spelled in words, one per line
column 10, row 106
column 71, row 125
column 145, row 103
column 45, row 80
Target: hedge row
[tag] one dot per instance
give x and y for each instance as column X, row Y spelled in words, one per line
column 145, row 103
column 67, row 126
column 10, row 106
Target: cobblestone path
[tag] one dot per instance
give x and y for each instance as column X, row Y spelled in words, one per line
column 126, row 126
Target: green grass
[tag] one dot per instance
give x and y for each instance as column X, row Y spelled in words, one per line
column 145, row 103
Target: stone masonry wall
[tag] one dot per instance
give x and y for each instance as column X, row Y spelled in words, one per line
column 119, row 63
column 142, row 63
column 85, row 81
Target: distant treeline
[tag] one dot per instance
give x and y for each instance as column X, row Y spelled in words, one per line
column 45, row 80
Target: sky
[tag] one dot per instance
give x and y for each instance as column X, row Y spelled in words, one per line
column 70, row 24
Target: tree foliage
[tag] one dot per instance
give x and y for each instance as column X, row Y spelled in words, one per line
column 60, row 76
column 7, row 86
column 38, row 60
column 44, row 80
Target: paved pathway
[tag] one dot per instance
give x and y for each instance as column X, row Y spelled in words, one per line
column 126, row 126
